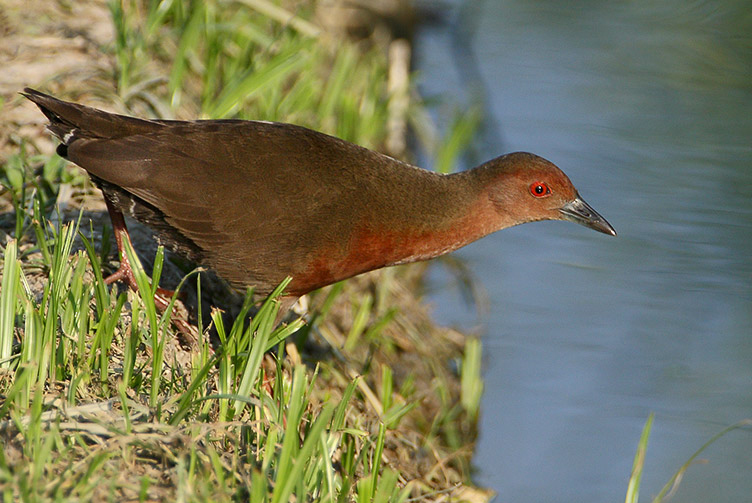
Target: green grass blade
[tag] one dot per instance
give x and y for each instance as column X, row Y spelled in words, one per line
column 289, row 452
column 673, row 484
column 283, row 332
column 471, row 379
column 9, row 301
column 283, row 491
column 264, row 320
column 339, row 416
column 156, row 338
column 633, row 488
column 459, row 137
column 258, row 81
column 380, row 439
column 189, row 40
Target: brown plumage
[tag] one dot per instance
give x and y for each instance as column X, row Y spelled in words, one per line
column 258, row 201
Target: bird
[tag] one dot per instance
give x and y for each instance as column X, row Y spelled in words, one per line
column 259, row 201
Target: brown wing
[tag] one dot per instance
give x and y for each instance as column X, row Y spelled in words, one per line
column 257, row 199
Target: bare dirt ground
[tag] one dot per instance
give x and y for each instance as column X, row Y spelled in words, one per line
column 46, row 42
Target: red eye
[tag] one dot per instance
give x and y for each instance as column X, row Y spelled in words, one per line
column 539, row 189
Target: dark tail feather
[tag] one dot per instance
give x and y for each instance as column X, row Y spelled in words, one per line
column 62, row 128
column 69, row 121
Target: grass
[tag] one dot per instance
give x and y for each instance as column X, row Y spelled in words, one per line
column 99, row 399
column 89, row 393
column 668, row 490
column 232, row 61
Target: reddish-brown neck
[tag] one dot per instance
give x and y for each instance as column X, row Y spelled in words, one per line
column 464, row 217
column 441, row 214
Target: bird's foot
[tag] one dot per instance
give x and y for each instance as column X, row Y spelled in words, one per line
column 162, row 298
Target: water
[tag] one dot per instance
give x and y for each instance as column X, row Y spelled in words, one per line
column 647, row 106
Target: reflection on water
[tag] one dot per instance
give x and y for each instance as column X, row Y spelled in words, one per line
column 648, row 108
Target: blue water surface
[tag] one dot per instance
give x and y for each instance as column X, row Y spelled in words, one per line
column 647, row 106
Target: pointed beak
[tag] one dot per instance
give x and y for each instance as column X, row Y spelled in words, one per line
column 580, row 212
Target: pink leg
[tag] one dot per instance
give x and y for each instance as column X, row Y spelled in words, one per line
column 124, row 272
